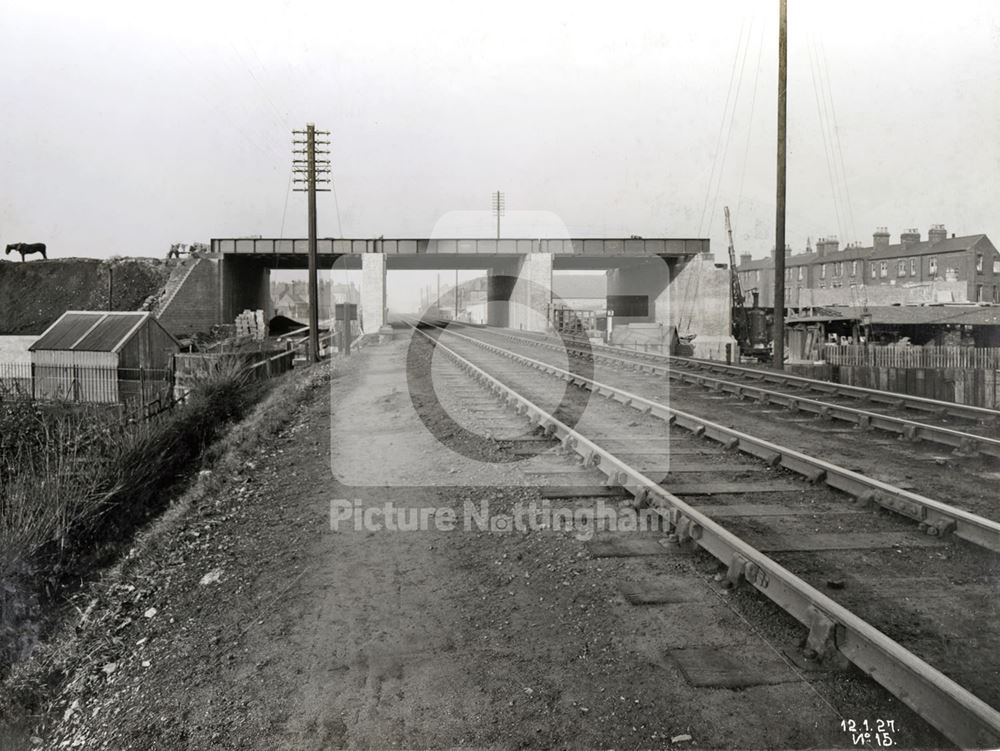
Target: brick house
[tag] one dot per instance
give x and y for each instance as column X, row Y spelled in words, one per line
column 938, row 269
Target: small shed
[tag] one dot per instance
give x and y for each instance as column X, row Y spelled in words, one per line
column 103, row 356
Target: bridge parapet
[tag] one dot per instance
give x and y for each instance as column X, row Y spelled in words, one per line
column 264, row 246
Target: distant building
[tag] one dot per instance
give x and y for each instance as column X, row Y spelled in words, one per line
column 291, row 299
column 472, row 306
column 938, row 269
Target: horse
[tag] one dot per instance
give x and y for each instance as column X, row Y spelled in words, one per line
column 26, row 249
column 182, row 249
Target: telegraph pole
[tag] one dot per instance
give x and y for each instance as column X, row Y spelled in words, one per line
column 778, row 327
column 499, row 204
column 306, row 171
column 456, row 294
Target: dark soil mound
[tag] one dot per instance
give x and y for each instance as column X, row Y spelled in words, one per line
column 34, row 294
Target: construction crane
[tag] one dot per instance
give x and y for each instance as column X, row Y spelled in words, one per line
column 749, row 326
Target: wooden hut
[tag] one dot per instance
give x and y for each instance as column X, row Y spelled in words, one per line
column 102, row 356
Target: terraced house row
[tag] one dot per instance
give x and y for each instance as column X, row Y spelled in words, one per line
column 940, row 269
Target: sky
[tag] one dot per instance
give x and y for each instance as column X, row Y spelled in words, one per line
column 130, row 126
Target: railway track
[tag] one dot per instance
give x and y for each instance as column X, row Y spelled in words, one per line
column 977, row 434
column 786, row 538
column 932, row 516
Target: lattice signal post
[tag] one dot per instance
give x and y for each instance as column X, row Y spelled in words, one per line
column 306, row 178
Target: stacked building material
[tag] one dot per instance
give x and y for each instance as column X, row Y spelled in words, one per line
column 250, row 324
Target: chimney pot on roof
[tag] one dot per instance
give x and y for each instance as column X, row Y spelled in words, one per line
column 827, row 245
column 745, row 259
column 910, row 237
column 937, row 233
column 880, row 239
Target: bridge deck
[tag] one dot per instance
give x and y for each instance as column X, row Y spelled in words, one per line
column 578, row 247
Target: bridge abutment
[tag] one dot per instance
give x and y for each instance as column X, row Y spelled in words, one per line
column 700, row 304
column 690, row 295
column 244, row 284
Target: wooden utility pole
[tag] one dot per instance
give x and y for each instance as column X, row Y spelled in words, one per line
column 306, row 171
column 778, row 327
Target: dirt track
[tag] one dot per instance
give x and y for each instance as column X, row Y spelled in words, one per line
column 271, row 630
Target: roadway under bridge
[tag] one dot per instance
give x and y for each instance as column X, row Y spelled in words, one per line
column 676, row 278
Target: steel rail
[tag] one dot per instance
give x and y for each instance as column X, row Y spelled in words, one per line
column 934, row 517
column 957, row 713
column 893, row 399
column 925, row 404
column 960, row 440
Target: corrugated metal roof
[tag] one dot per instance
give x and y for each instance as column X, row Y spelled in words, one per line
column 819, row 318
column 85, row 331
column 67, row 330
column 106, row 336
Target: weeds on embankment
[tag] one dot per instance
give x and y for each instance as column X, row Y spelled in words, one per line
column 76, row 646
column 76, row 483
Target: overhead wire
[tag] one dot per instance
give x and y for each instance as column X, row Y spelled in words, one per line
column 722, row 126
column 746, row 152
column 267, row 97
column 267, row 134
column 281, row 118
column 212, row 102
column 825, row 70
column 333, row 190
column 336, row 205
column 284, row 212
column 827, row 150
column 732, row 122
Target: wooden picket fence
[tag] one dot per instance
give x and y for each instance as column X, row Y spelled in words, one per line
column 964, row 375
column 884, row 356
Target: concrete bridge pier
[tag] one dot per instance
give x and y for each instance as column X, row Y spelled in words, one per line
column 691, row 295
column 519, row 292
column 639, row 290
column 500, row 281
column 374, row 314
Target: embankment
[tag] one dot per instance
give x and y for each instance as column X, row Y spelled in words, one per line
column 34, row 294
